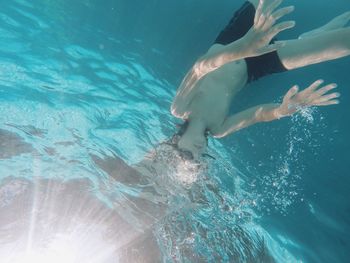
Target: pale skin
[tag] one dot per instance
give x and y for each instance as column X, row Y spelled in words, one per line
column 205, row 95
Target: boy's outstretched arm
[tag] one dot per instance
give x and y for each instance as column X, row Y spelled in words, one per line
column 293, row 101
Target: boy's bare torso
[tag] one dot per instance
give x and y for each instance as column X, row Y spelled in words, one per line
column 212, row 95
column 217, row 88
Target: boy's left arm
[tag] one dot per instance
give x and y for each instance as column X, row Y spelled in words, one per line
column 293, row 101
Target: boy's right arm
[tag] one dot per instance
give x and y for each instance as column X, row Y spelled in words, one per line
column 255, row 42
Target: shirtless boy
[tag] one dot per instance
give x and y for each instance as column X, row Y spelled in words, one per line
column 243, row 52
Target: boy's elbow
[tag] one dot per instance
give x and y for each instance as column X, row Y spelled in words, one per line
column 218, row 135
column 225, row 132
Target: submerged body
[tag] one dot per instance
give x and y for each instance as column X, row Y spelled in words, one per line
column 214, row 92
column 205, row 95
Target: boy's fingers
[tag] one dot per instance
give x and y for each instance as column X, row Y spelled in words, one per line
column 264, row 17
column 268, row 23
column 282, row 12
column 326, row 88
column 271, row 19
column 314, row 85
column 329, row 97
column 326, row 103
column 291, row 92
column 281, row 27
column 272, row 7
column 258, row 12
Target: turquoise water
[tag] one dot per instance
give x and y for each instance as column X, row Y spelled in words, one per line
column 82, row 81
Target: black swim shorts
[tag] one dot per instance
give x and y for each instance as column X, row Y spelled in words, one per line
column 238, row 26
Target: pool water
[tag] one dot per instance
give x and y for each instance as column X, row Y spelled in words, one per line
column 85, row 92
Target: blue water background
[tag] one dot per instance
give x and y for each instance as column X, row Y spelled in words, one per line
column 103, row 73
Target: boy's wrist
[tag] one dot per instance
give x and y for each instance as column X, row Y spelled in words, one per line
column 280, row 112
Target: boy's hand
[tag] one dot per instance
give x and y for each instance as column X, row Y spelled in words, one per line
column 314, row 95
column 258, row 38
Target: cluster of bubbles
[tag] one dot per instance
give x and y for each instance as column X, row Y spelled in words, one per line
column 281, row 187
column 216, row 223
